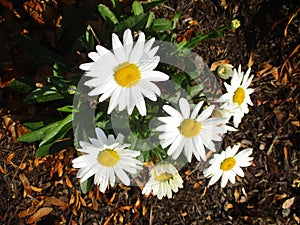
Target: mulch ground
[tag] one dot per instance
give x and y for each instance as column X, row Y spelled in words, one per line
column 268, row 40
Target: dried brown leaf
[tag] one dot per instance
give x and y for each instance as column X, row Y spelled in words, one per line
column 250, row 61
column 3, row 171
column 26, row 184
column 82, row 201
column 29, row 211
column 296, row 123
column 49, row 201
column 36, row 189
column 218, row 63
column 9, row 158
column 288, row 203
column 186, row 36
column 22, row 166
column 68, row 182
column 39, row 214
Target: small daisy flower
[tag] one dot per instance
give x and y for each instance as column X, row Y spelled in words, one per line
column 164, row 178
column 238, row 93
column 235, row 24
column 189, row 132
column 106, row 158
column 225, row 71
column 227, row 165
column 125, row 75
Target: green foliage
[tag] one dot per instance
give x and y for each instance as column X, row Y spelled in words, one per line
column 43, row 54
column 161, row 25
column 86, row 185
column 134, row 22
column 107, row 14
column 137, row 8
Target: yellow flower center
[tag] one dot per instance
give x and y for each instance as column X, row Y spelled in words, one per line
column 228, row 164
column 127, row 75
column 190, row 128
column 108, row 158
column 163, row 176
column 239, row 96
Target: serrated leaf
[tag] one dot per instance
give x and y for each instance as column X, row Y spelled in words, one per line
column 41, row 53
column 135, row 22
column 137, row 8
column 86, row 185
column 150, row 20
column 39, row 134
column 161, row 25
column 106, row 13
column 60, row 130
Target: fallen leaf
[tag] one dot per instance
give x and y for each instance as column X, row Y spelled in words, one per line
column 2, row 170
column 82, row 201
column 26, row 184
column 112, row 198
column 186, row 36
column 36, row 189
column 68, row 182
column 22, row 166
column 218, row 63
column 35, row 10
column 9, row 158
column 39, row 214
column 250, row 61
column 224, row 4
column 125, row 208
column 49, row 201
column 279, row 197
column 288, row 203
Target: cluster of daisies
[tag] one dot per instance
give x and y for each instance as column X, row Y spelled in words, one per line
column 125, row 76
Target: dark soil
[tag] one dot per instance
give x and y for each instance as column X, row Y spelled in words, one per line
column 271, row 128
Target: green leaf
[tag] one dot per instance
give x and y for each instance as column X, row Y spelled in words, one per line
column 59, row 131
column 41, row 53
column 176, row 19
column 34, row 125
column 67, row 108
column 106, row 13
column 44, row 94
column 21, row 85
column 39, row 134
column 89, row 40
column 86, row 185
column 150, row 20
column 149, row 5
column 53, row 147
column 135, row 22
column 161, row 25
column 137, row 8
column 194, row 90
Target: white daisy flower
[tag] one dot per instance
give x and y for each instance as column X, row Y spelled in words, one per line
column 225, row 113
column 106, row 158
column 125, row 75
column 189, row 132
column 164, row 178
column 238, row 93
column 227, row 165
